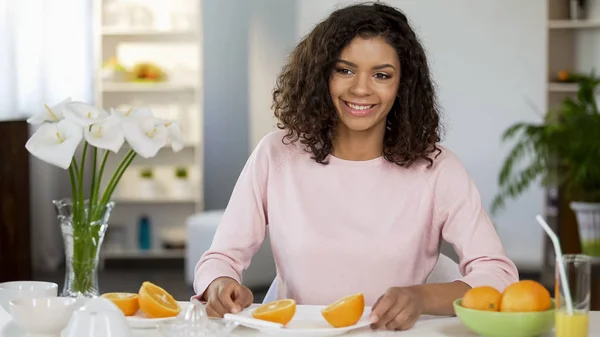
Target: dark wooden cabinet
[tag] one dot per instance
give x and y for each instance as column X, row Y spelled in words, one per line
column 15, row 242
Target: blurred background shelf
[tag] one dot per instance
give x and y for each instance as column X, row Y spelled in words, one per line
column 149, row 54
column 571, row 47
column 562, row 87
column 157, row 253
column 153, row 201
column 146, row 32
column 573, row 24
column 146, row 87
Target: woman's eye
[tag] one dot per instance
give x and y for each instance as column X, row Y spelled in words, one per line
column 382, row 76
column 344, row 71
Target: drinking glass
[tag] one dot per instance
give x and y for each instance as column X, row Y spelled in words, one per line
column 578, row 273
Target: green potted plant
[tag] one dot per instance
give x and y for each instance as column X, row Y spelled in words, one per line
column 181, row 173
column 564, row 151
column 147, row 184
column 181, row 185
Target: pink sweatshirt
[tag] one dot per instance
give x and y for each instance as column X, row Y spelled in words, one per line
column 352, row 226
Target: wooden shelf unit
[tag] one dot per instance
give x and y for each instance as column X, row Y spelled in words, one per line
column 573, row 46
column 152, row 31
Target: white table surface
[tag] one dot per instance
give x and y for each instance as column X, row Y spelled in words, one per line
column 427, row 326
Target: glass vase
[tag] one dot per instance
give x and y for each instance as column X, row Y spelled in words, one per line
column 83, row 228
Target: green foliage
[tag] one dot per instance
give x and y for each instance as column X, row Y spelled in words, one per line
column 147, row 173
column 181, row 173
column 563, row 150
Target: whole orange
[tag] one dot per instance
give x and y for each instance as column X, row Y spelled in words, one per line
column 482, row 298
column 563, row 75
column 525, row 296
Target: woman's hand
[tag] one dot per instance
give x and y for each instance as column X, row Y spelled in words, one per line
column 225, row 295
column 397, row 309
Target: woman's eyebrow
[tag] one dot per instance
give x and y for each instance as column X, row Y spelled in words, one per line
column 378, row 67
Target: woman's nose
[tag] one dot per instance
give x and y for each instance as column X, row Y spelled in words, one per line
column 360, row 85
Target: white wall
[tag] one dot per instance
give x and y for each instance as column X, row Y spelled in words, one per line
column 226, row 77
column 488, row 57
column 245, row 46
column 272, row 35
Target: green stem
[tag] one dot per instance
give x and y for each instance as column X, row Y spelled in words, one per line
column 83, row 239
column 92, row 201
column 115, row 179
column 118, row 174
column 86, row 236
column 73, row 174
column 101, row 174
column 75, row 197
column 81, row 196
column 75, row 166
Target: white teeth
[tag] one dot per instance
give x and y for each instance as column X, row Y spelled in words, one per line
column 360, row 107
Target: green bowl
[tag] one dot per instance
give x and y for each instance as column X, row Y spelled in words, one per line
column 505, row 324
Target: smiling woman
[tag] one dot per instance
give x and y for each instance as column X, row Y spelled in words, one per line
column 356, row 190
column 363, row 88
column 362, row 55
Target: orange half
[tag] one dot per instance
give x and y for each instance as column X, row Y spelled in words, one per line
column 345, row 311
column 280, row 311
column 156, row 302
column 127, row 302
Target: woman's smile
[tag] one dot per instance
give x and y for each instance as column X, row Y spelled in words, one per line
column 359, row 109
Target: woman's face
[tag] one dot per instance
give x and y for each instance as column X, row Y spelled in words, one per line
column 364, row 84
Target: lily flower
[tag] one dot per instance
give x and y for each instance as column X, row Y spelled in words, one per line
column 131, row 113
column 84, row 114
column 174, row 135
column 106, row 134
column 54, row 114
column 56, row 143
column 145, row 135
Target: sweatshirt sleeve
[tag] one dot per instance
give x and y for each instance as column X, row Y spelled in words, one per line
column 468, row 228
column 242, row 229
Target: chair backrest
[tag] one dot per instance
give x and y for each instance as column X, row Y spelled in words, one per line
column 271, row 293
column 445, row 270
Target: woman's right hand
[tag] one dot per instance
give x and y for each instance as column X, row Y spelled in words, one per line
column 225, row 295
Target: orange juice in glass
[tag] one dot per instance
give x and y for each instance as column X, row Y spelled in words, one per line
column 577, row 270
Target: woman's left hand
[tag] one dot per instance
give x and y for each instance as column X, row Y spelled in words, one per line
column 397, row 309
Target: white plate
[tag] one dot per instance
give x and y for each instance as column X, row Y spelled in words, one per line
column 141, row 321
column 308, row 322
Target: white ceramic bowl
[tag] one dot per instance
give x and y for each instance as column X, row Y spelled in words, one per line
column 98, row 318
column 25, row 289
column 97, row 324
column 43, row 316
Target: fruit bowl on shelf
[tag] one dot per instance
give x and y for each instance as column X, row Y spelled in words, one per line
column 146, row 72
column 524, row 309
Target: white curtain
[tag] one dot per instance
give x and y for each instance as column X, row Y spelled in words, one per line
column 46, row 49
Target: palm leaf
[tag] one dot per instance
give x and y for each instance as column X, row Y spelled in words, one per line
column 563, row 151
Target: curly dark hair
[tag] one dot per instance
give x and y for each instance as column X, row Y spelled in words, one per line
column 303, row 105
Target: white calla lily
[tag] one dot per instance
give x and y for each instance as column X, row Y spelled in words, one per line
column 84, row 114
column 106, row 134
column 56, row 143
column 145, row 135
column 132, row 113
column 53, row 114
column 56, row 140
column 174, row 135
